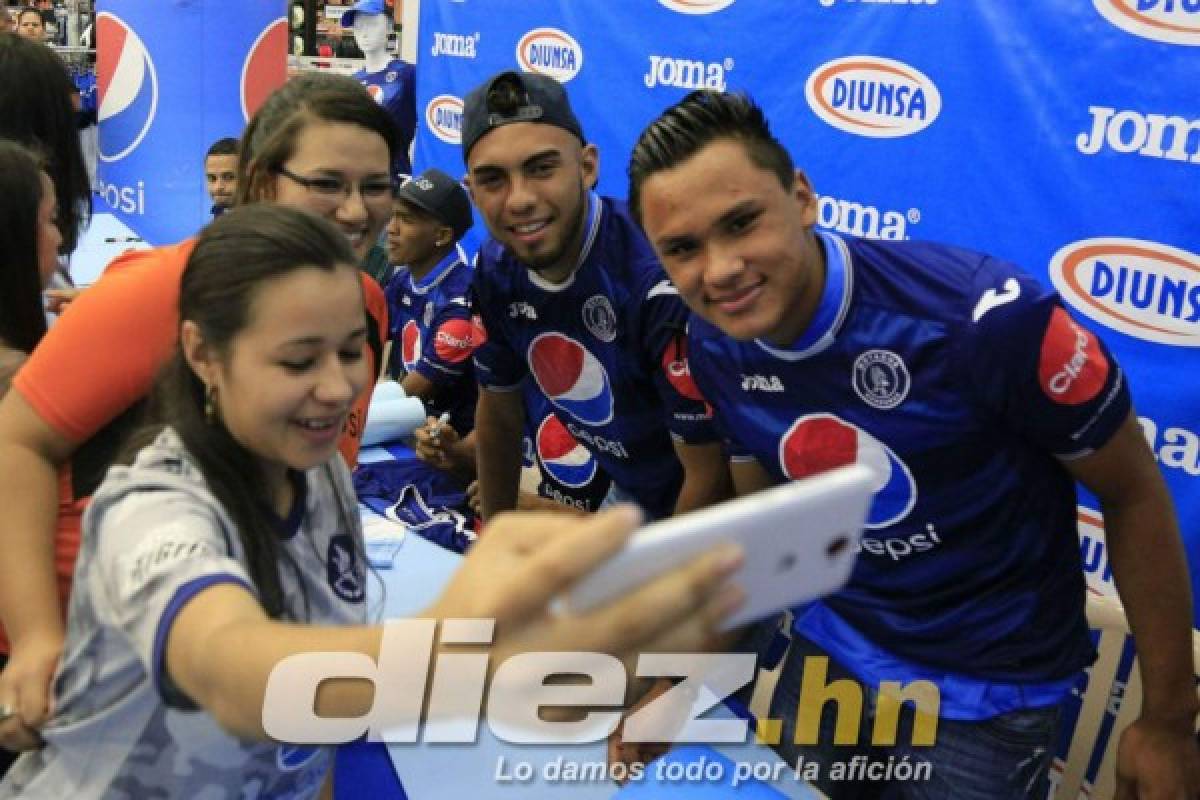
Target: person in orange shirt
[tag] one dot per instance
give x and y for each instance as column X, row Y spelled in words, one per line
column 321, row 144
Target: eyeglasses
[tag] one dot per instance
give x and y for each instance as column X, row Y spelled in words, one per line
column 339, row 188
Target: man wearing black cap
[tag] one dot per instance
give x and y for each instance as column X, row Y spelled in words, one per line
column 432, row 335
column 573, row 298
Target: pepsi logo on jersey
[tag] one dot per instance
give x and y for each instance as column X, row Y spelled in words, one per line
column 561, row 455
column 571, row 378
column 816, row 443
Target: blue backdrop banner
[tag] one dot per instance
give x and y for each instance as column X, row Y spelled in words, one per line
column 173, row 77
column 1064, row 136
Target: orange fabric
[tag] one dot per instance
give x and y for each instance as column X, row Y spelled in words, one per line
column 103, row 354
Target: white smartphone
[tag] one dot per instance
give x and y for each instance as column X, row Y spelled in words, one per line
column 800, row 542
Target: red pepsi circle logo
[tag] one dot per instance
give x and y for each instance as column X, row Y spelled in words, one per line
column 410, row 345
column 265, row 67
column 562, row 457
column 817, row 443
column 571, row 378
column 127, row 84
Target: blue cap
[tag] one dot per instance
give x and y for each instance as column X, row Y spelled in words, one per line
column 366, row 7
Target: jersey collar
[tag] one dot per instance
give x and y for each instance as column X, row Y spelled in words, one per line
column 435, row 275
column 594, row 209
column 831, row 311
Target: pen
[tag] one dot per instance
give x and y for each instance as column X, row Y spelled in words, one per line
column 436, row 430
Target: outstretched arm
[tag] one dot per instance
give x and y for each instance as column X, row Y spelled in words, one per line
column 1157, row 755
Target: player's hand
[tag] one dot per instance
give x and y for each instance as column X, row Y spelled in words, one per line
column 630, row 753
column 1158, row 761
column 59, row 299
column 524, row 560
column 435, row 443
column 25, row 690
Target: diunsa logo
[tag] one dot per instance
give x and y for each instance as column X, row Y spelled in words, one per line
column 1171, row 21
column 697, row 6
column 443, row 116
column 549, row 51
column 873, row 96
column 1144, row 289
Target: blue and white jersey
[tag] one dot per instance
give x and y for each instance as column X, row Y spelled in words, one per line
column 432, row 335
column 596, row 345
column 395, row 88
column 962, row 381
column 571, row 475
column 155, row 536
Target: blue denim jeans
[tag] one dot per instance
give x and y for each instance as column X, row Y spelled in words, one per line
column 1004, row 757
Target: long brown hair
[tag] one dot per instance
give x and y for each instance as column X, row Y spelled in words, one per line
column 270, row 138
column 235, row 257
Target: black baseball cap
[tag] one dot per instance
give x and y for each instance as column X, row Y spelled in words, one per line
column 437, row 193
column 540, row 99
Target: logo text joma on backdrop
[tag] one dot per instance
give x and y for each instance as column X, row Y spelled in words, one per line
column 1170, row 21
column 1144, row 289
column 873, row 96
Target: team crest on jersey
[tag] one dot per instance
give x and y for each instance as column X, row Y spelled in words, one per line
column 344, row 570
column 599, row 317
column 881, row 379
column 391, row 76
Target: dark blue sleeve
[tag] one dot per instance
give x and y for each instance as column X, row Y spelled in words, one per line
column 1045, row 376
column 497, row 367
column 661, row 325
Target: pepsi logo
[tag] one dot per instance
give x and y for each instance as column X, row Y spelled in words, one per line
column 1072, row 368
column 571, row 377
column 454, row 341
column 443, row 117
column 549, row 51
column 265, row 67
column 376, row 93
column 871, row 96
column 128, row 86
column 562, row 457
column 1170, row 21
column 410, row 345
column 1144, row 289
column 697, row 6
column 817, row 443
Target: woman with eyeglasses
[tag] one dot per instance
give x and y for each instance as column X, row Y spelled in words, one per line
column 319, row 144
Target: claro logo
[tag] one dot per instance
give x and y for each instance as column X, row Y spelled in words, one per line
column 549, row 51
column 873, row 96
column 1171, row 21
column 1144, row 289
column 697, row 6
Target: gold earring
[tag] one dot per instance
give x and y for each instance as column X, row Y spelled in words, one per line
column 210, row 405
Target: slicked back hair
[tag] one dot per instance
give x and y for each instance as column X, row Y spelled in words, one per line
column 695, row 122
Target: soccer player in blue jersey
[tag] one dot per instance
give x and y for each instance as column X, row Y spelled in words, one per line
column 572, row 296
column 428, row 296
column 979, row 402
